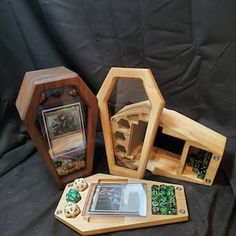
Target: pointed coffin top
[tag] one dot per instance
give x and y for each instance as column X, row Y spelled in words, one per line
column 144, row 74
column 33, row 78
column 156, row 101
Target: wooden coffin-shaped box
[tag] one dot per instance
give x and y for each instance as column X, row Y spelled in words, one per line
column 60, row 114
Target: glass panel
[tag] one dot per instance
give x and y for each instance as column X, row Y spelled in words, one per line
column 116, row 199
column 129, row 109
column 61, row 119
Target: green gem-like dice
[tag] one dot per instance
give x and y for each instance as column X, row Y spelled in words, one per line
column 73, row 195
column 200, row 162
column 163, row 200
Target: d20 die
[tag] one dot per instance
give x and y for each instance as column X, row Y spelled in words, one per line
column 80, row 184
column 71, row 210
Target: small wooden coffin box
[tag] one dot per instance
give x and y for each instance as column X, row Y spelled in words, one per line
column 129, row 127
column 60, row 114
column 183, row 148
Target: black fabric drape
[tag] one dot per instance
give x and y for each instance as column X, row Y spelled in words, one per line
column 190, row 48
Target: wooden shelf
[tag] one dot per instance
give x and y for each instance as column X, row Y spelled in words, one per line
column 164, row 161
column 191, row 175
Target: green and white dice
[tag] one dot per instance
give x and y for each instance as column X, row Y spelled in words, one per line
column 163, row 200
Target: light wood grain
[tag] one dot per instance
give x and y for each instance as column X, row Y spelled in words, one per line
column 198, row 135
column 195, row 135
column 161, row 162
column 157, row 102
column 88, row 225
column 136, row 115
column 33, row 78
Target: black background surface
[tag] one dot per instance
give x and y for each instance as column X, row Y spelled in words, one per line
column 190, row 48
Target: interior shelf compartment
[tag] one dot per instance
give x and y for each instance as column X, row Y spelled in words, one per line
column 163, row 161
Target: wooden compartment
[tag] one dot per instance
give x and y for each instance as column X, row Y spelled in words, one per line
column 50, row 103
column 98, row 224
column 196, row 137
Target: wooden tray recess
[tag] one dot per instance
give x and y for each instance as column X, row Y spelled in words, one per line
column 97, row 224
column 200, row 149
column 126, row 158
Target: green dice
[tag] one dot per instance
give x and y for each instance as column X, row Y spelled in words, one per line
column 73, row 195
column 163, row 200
column 200, row 162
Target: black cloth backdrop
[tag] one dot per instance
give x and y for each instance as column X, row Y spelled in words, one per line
column 190, row 48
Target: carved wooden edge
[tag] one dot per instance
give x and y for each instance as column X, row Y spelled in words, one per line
column 27, row 102
column 157, row 102
column 158, row 161
column 162, row 162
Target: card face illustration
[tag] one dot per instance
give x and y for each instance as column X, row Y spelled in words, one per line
column 107, row 198
column 118, row 199
column 64, row 129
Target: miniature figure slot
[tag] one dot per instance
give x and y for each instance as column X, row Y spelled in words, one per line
column 119, row 135
column 123, row 124
column 169, row 143
column 113, row 203
column 138, row 135
column 128, row 136
column 120, row 148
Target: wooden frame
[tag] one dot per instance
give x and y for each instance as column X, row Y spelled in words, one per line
column 156, row 101
column 194, row 137
column 34, row 83
column 90, row 224
column 165, row 163
column 192, row 134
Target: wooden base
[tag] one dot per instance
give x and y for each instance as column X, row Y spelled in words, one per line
column 87, row 225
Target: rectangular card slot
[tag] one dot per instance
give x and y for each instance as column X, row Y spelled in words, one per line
column 112, row 181
column 105, row 219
